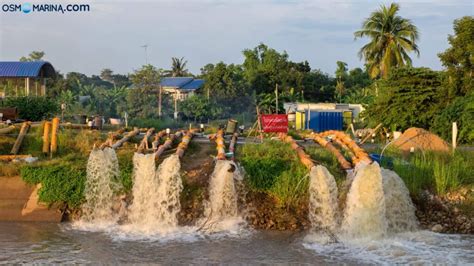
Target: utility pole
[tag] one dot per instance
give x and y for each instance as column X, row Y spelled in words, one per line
column 276, row 94
column 145, row 46
column 159, row 100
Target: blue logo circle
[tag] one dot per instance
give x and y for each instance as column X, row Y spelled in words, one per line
column 26, row 8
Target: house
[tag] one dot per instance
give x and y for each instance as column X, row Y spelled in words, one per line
column 24, row 78
column 180, row 87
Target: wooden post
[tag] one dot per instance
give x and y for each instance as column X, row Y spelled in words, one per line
column 24, row 129
column 54, row 135
column 371, row 133
column 455, row 135
column 46, row 130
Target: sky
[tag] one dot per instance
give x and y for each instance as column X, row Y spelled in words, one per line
column 111, row 34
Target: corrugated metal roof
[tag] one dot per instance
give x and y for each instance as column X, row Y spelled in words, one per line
column 182, row 83
column 26, row 69
column 175, row 82
column 193, row 85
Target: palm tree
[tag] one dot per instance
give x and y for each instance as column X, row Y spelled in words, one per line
column 392, row 38
column 178, row 67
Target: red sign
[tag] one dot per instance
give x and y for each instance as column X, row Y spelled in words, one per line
column 275, row 123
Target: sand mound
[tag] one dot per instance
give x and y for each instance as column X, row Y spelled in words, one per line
column 420, row 139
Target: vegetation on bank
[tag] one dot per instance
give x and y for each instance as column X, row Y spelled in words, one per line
column 274, row 168
column 439, row 173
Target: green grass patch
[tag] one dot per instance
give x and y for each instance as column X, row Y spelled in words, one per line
column 439, row 173
column 274, row 168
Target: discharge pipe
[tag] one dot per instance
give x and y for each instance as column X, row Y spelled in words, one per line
column 304, row 158
column 183, row 145
column 168, row 143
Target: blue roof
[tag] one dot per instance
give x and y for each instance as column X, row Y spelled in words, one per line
column 175, row 82
column 182, row 83
column 26, row 69
column 193, row 85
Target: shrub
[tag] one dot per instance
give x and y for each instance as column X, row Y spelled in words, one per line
column 460, row 111
column 32, row 108
column 63, row 182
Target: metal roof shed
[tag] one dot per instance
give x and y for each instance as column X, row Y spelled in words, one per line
column 24, row 78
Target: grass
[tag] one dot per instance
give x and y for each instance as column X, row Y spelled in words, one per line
column 273, row 168
column 439, row 173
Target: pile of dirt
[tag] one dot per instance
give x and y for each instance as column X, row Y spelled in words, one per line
column 420, row 139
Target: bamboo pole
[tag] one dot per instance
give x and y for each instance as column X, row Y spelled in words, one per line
column 168, row 143
column 46, row 132
column 185, row 142
column 54, row 135
column 126, row 138
column 24, row 129
column 304, row 158
column 371, row 133
column 144, row 143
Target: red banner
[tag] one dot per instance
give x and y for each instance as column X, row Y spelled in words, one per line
column 275, row 123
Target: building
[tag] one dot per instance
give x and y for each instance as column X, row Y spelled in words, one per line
column 302, row 113
column 24, row 78
column 180, row 87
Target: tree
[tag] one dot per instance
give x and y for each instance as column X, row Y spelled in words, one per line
column 33, row 56
column 391, row 39
column 459, row 58
column 140, row 100
column 341, row 76
column 199, row 108
column 410, row 97
column 178, row 67
column 107, row 75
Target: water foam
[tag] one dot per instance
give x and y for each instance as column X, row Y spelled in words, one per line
column 399, row 209
column 322, row 199
column 364, row 215
column 156, row 196
column 221, row 209
column 102, row 171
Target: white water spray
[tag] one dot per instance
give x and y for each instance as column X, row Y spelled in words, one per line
column 364, row 216
column 221, row 211
column 156, row 201
column 102, row 169
column 322, row 199
column 399, row 209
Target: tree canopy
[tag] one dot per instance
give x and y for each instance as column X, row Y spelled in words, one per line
column 391, row 36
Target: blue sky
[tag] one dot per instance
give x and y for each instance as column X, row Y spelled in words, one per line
column 209, row 31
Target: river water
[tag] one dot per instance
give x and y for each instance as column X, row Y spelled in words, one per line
column 61, row 243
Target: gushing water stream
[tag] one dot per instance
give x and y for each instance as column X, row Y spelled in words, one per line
column 155, row 195
column 221, row 211
column 323, row 199
column 364, row 215
column 102, row 171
